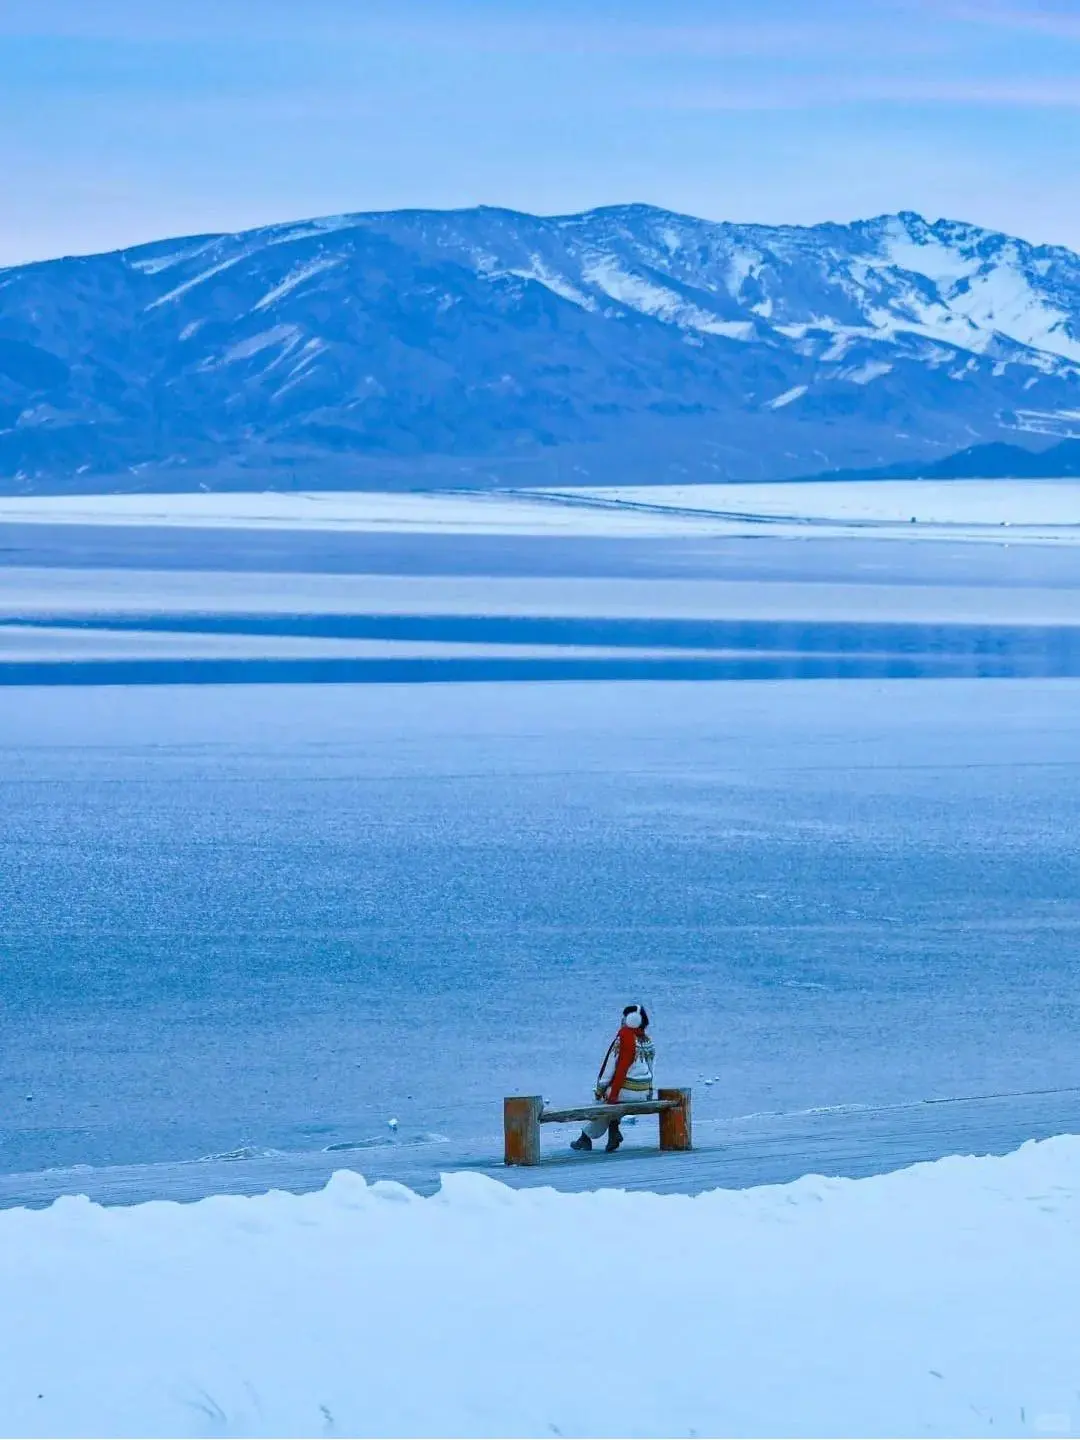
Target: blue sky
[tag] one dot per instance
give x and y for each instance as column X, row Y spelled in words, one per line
column 130, row 120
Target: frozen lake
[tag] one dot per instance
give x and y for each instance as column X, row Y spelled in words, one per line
column 274, row 917
column 257, row 921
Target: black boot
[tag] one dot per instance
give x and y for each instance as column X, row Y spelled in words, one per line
column 614, row 1137
column 581, row 1143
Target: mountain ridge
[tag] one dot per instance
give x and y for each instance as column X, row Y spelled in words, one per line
column 995, row 461
column 486, row 346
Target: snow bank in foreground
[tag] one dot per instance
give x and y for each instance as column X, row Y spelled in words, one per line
column 939, row 1300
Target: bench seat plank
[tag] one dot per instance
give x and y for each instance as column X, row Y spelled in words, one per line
column 606, row 1112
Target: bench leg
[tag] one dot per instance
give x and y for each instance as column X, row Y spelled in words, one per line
column 675, row 1127
column 521, row 1129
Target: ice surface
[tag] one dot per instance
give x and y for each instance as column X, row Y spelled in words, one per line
column 230, row 914
column 210, row 899
column 21, row 642
column 35, row 592
column 936, row 1300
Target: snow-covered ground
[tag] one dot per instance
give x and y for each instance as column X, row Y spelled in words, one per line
column 963, row 503
column 939, row 1300
column 398, row 513
column 1034, row 511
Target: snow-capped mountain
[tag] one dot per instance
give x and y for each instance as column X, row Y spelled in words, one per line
column 484, row 346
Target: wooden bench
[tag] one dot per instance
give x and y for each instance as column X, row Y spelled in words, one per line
column 524, row 1114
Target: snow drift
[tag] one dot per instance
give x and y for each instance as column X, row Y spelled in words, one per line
column 939, row 1300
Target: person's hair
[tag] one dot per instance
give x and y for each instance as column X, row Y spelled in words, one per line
column 641, row 1011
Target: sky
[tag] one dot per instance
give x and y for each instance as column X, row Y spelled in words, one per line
column 124, row 121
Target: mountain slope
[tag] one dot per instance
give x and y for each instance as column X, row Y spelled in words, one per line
column 485, row 346
column 996, row 461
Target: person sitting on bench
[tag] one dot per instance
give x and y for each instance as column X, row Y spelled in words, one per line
column 626, row 1074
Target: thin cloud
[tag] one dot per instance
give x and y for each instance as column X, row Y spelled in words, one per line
column 777, row 39
column 834, row 29
column 1050, row 94
column 1060, row 22
column 825, row 92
